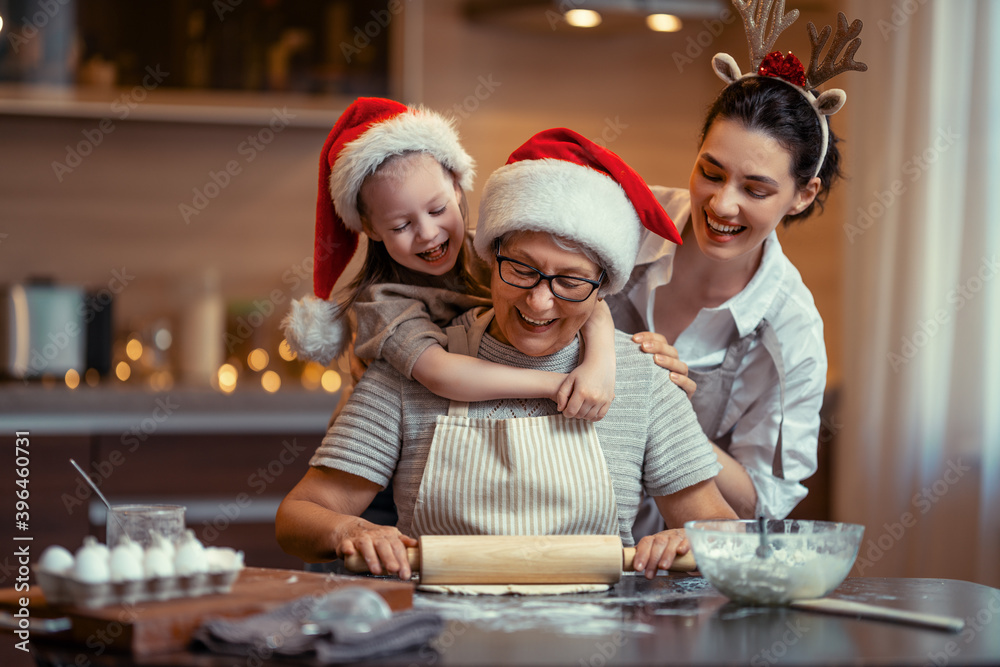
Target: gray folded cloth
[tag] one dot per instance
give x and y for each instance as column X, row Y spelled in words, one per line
column 287, row 631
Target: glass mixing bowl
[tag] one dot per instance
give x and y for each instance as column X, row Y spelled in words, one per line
column 803, row 559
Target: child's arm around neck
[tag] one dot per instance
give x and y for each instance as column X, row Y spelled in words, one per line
column 585, row 393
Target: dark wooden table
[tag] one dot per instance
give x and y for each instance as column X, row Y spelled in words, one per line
column 678, row 619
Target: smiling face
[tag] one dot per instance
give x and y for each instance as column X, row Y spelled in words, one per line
column 412, row 206
column 532, row 320
column 741, row 188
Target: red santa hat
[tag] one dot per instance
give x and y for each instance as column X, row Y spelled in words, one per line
column 369, row 131
column 562, row 183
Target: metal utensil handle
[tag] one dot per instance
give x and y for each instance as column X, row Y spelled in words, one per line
column 865, row 610
column 100, row 495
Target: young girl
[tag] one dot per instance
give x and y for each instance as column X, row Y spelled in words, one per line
column 399, row 174
column 733, row 306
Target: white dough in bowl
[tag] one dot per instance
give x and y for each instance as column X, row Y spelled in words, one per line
column 800, row 574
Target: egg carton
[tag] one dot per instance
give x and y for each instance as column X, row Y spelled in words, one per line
column 60, row 589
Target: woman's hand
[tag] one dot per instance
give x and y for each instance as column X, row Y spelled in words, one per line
column 665, row 356
column 657, row 551
column 382, row 547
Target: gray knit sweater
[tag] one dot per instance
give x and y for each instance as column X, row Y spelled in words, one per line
column 650, row 436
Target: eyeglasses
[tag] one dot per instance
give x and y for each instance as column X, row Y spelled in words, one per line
column 524, row 276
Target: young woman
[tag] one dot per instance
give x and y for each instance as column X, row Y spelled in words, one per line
column 727, row 308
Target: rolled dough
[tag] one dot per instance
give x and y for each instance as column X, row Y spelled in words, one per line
column 515, row 589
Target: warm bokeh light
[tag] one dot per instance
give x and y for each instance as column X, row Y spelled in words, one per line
column 72, row 379
column 227, row 378
column 270, row 381
column 133, row 349
column 311, row 375
column 582, row 18
column 285, row 351
column 92, row 377
column 123, row 371
column 331, row 381
column 163, row 339
column 257, row 360
column 1, row 23
column 664, row 22
column 161, row 381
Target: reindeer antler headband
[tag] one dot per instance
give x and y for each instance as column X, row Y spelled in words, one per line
column 786, row 67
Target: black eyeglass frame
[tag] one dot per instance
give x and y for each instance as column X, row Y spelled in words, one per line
column 594, row 284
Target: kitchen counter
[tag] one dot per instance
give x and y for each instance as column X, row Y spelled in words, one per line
column 89, row 410
column 678, row 619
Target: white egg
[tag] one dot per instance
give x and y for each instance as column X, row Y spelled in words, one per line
column 132, row 545
column 57, row 560
column 157, row 563
column 223, row 559
column 160, row 540
column 90, row 542
column 125, row 565
column 92, row 562
column 191, row 557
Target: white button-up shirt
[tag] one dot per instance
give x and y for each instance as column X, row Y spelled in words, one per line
column 753, row 409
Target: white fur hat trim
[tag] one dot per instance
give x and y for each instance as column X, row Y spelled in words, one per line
column 417, row 130
column 567, row 200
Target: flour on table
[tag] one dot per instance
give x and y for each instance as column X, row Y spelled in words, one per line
column 515, row 589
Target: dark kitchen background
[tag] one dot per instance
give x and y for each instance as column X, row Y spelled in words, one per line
column 158, row 176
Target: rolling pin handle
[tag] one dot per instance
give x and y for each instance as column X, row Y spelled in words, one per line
column 683, row 563
column 356, row 563
column 628, row 555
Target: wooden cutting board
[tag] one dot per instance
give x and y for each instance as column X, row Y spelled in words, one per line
column 152, row 627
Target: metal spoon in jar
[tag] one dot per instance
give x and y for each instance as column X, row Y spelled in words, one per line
column 100, row 495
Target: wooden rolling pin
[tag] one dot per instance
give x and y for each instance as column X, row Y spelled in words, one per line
column 521, row 559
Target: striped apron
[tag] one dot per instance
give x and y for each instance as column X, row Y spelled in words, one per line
column 526, row 476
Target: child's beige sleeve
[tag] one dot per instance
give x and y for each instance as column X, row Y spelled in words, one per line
column 398, row 323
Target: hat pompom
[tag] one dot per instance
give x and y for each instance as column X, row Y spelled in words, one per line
column 315, row 331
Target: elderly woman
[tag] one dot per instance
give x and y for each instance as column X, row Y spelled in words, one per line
column 560, row 227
